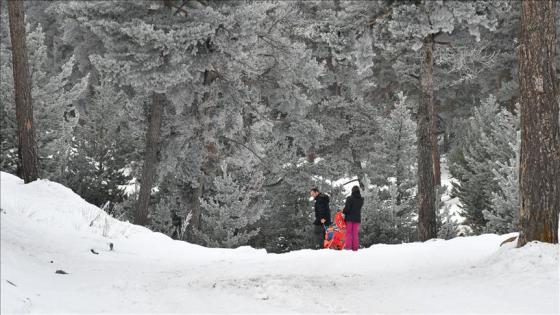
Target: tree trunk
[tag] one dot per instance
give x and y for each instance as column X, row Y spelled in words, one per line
column 150, row 159
column 435, row 149
column 539, row 173
column 426, row 192
column 27, row 150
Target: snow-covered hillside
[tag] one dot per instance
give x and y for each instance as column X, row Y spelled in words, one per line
column 45, row 227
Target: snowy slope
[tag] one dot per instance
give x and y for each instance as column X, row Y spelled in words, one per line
column 45, row 227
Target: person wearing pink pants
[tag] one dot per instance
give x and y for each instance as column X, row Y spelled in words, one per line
column 352, row 235
column 353, row 215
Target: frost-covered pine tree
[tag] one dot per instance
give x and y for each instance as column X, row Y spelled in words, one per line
column 57, row 117
column 392, row 163
column 394, row 158
column 385, row 219
column 372, row 219
column 503, row 216
column 448, row 228
column 229, row 214
column 343, row 43
column 489, row 143
column 104, row 145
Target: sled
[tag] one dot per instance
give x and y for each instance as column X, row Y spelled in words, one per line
column 335, row 234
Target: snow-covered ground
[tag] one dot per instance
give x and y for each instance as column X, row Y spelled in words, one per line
column 46, row 227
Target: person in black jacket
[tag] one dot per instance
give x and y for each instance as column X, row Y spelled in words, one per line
column 322, row 215
column 353, row 215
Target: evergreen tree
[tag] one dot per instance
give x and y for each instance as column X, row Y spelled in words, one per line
column 385, row 219
column 103, row 145
column 394, row 158
column 230, row 212
column 447, row 227
column 503, row 216
column 487, row 143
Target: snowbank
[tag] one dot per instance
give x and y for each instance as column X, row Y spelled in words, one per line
column 59, row 207
column 45, row 227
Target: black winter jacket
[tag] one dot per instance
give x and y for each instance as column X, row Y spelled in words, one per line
column 322, row 209
column 353, row 208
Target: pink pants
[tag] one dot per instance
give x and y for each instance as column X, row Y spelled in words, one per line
column 352, row 238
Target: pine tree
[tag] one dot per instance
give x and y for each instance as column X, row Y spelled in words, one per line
column 103, row 146
column 57, row 116
column 230, row 212
column 487, row 145
column 503, row 216
column 447, row 227
column 394, row 158
column 342, row 41
column 385, row 219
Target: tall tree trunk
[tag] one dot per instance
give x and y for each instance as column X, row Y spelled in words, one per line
column 27, row 150
column 539, row 173
column 426, row 192
column 435, row 149
column 150, row 159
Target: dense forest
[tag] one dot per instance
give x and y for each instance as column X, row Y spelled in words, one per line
column 209, row 121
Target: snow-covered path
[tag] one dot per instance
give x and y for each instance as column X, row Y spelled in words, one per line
column 45, row 227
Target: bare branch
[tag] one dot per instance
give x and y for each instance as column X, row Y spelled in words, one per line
column 180, row 8
column 414, row 76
